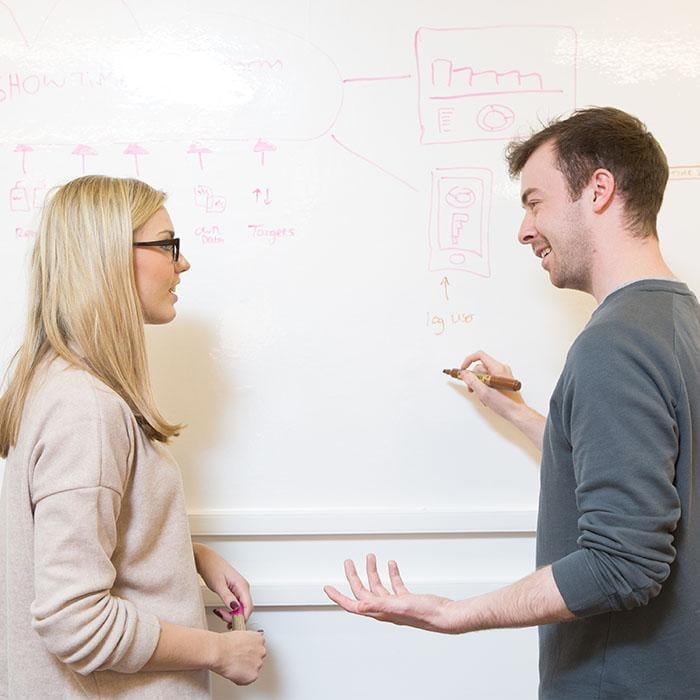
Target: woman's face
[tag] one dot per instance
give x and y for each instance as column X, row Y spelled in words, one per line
column 156, row 273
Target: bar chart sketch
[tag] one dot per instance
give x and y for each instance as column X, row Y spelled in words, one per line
column 471, row 89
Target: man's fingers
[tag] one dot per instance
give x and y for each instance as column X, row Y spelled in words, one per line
column 478, row 356
column 375, row 583
column 395, row 577
column 354, row 580
column 357, row 607
column 490, row 365
column 342, row 600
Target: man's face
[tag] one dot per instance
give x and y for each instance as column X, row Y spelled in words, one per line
column 553, row 224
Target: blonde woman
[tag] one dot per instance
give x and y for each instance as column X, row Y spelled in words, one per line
column 99, row 595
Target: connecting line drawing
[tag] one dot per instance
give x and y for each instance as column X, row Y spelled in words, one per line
column 50, row 13
column 376, row 165
column 469, row 91
column 374, row 78
column 23, row 148
column 14, row 21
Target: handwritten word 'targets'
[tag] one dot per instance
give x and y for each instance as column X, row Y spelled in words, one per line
column 438, row 324
column 270, row 235
column 209, row 235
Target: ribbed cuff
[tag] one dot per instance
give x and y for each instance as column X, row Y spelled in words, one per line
column 143, row 644
column 578, row 585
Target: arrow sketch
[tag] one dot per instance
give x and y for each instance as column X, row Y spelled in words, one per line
column 263, row 147
column 199, row 150
column 133, row 149
column 24, row 148
column 445, row 283
column 266, row 199
column 82, row 150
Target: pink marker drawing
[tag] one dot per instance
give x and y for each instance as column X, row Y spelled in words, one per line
column 204, row 197
column 201, row 195
column 470, row 90
column 377, row 77
column 19, row 197
column 23, row 148
column 133, row 149
column 371, row 162
column 266, row 199
column 263, row 147
column 38, row 196
column 82, row 150
column 460, row 208
column 13, row 20
column 199, row 150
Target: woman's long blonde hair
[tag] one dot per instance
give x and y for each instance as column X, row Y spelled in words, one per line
column 83, row 303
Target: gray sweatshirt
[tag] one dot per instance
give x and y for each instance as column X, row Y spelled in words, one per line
column 95, row 550
column 619, row 516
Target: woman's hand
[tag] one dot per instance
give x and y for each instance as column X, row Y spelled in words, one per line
column 221, row 578
column 239, row 656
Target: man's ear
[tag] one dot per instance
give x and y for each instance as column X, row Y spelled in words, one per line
column 602, row 189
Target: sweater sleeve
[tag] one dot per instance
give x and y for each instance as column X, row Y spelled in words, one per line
column 80, row 470
column 624, row 442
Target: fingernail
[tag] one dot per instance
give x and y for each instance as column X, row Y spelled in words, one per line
column 218, row 614
column 235, row 607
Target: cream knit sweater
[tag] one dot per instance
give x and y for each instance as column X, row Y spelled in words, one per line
column 94, row 550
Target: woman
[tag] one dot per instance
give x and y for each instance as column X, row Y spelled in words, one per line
column 99, row 594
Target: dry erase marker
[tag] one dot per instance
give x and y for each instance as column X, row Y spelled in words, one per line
column 491, row 380
column 238, row 622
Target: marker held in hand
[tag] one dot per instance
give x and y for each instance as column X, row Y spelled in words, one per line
column 492, row 380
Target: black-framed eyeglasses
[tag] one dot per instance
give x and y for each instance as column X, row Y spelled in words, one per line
column 173, row 244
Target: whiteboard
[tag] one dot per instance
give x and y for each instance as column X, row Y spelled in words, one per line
column 335, row 172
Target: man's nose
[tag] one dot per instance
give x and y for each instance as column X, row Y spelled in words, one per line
column 527, row 230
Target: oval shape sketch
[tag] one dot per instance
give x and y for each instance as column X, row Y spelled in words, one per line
column 495, row 118
column 113, row 71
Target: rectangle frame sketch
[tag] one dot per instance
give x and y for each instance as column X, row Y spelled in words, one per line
column 460, row 212
column 470, row 88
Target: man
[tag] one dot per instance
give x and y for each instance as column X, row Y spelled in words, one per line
column 617, row 588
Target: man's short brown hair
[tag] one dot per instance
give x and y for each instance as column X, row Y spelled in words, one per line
column 604, row 137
